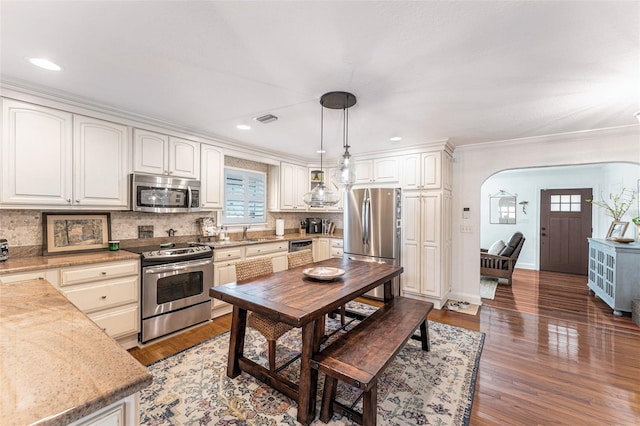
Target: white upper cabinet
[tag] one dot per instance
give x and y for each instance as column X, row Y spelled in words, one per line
column 100, row 152
column 379, row 170
column 51, row 158
column 36, row 154
column 427, row 170
column 159, row 154
column 294, row 183
column 212, row 180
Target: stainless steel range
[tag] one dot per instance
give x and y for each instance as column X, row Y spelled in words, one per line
column 175, row 288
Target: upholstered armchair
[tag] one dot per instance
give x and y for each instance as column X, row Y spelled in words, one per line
column 500, row 260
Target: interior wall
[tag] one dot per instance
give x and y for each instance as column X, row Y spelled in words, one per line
column 473, row 164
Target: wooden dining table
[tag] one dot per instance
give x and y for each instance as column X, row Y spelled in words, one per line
column 293, row 298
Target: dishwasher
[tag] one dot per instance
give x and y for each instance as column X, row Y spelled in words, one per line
column 297, row 245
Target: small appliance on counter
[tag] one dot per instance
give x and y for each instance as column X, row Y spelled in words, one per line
column 4, row 250
column 314, row 225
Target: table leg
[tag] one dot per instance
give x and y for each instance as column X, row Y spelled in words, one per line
column 236, row 342
column 388, row 291
column 307, row 386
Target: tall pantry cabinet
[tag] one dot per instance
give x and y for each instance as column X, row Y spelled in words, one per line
column 426, row 180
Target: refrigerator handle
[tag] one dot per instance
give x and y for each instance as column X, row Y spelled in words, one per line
column 366, row 218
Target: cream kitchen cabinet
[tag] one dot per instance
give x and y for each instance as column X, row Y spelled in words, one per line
column 427, row 170
column 277, row 251
column 54, row 159
column 160, row 154
column 294, row 183
column 321, row 249
column 337, row 247
column 124, row 412
column 108, row 293
column 224, row 265
column 426, row 245
column 379, row 170
column 212, row 177
column 51, row 275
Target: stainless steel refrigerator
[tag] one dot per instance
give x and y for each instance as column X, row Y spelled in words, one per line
column 372, row 228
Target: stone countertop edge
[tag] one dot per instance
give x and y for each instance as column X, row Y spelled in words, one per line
column 33, row 263
column 57, row 365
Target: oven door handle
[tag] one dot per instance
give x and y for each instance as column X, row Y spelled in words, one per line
column 171, row 268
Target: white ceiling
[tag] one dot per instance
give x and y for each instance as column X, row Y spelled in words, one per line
column 424, row 70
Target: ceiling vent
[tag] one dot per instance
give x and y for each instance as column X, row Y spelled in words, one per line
column 267, row 118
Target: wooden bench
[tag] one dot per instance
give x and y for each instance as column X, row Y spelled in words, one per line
column 360, row 356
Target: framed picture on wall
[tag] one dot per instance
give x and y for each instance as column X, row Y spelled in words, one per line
column 70, row 232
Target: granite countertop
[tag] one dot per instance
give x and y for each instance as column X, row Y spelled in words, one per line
column 33, row 263
column 56, row 365
column 268, row 239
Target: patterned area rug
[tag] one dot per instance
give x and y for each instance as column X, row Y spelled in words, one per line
column 417, row 388
column 488, row 287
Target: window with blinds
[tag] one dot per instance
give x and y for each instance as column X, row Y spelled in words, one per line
column 245, row 197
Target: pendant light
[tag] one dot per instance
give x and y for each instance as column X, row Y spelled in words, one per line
column 321, row 195
column 345, row 172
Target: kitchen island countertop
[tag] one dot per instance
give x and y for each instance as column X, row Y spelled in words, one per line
column 56, row 365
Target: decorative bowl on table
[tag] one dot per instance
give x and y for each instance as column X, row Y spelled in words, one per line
column 323, row 273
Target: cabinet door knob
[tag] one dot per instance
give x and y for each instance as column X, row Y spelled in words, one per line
column 103, row 297
column 103, row 273
column 77, row 201
column 69, row 200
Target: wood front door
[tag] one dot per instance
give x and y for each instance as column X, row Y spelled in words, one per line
column 565, row 225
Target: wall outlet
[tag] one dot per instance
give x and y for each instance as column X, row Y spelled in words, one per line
column 466, row 229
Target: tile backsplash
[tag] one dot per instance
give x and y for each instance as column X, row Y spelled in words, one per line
column 24, row 227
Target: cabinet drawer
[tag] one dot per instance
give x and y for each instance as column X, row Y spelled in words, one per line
column 262, row 249
column 77, row 275
column 337, row 243
column 104, row 294
column 118, row 322
column 336, row 252
column 227, row 254
column 50, row 275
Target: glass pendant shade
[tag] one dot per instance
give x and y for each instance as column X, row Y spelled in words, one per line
column 321, row 196
column 345, row 173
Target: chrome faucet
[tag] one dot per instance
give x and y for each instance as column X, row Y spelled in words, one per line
column 244, row 231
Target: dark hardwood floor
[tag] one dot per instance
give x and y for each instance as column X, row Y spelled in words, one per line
column 553, row 354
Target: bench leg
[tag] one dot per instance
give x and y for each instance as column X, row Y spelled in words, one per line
column 271, row 353
column 370, row 406
column 329, row 395
column 424, row 334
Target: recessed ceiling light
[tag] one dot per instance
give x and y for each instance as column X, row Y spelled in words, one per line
column 243, row 127
column 44, row 63
column 321, row 151
column 395, row 139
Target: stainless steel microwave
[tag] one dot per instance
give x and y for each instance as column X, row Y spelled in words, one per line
column 164, row 194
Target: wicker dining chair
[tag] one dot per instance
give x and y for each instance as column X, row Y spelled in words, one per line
column 304, row 257
column 299, row 258
column 269, row 328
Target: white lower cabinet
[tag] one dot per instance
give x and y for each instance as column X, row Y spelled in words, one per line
column 51, row 275
column 337, row 247
column 121, row 413
column 426, row 245
column 321, row 249
column 224, row 265
column 109, row 293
